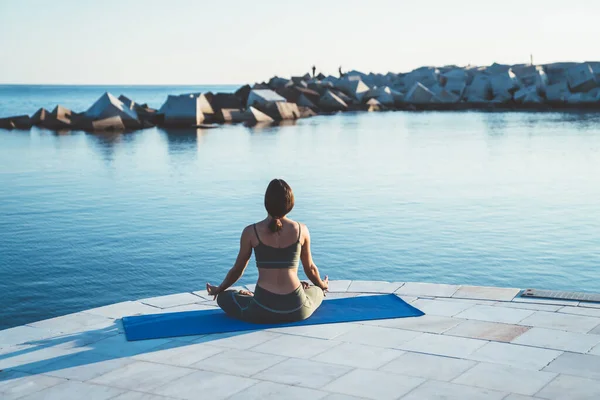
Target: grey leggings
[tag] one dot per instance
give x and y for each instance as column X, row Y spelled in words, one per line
column 267, row 308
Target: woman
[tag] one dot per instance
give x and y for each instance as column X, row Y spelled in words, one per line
column 279, row 243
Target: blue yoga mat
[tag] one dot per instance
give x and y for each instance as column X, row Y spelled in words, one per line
column 362, row 308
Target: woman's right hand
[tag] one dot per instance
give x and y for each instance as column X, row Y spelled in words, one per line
column 325, row 283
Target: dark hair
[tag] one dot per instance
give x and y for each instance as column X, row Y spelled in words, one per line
column 279, row 201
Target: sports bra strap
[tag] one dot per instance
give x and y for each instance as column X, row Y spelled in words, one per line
column 299, row 232
column 256, row 233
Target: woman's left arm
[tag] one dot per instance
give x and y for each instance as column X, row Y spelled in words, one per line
column 238, row 268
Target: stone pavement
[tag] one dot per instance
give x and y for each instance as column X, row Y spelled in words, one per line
column 473, row 343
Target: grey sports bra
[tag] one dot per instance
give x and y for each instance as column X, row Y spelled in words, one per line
column 275, row 257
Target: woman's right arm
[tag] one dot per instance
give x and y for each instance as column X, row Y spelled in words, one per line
column 310, row 269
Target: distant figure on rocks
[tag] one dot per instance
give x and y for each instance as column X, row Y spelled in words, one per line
column 314, row 70
column 341, row 73
column 279, row 245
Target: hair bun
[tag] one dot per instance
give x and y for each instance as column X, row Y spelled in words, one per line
column 275, row 225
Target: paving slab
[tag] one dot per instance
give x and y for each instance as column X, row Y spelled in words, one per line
column 428, row 366
column 173, row 300
column 378, row 336
column 75, row 390
column 572, row 388
column 427, row 289
column 339, row 295
column 324, row 331
column 520, row 397
column 495, row 314
column 486, row 293
column 441, row 308
column 513, row 355
column 179, row 353
column 374, row 287
column 338, row 396
column 339, row 286
column 358, row 356
column 305, row 373
column 124, row 309
column 546, row 301
column 443, row 345
column 487, row 330
column 558, row 340
column 16, row 384
column 528, row 306
column 73, row 323
column 295, row 346
column 505, row 378
column 239, row 362
column 559, row 321
column 214, row 385
column 433, row 390
column 583, row 365
column 23, row 334
column 30, row 358
column 277, row 391
column 425, row 323
column 118, row 346
column 142, row 376
column 585, row 304
column 83, row 366
column 377, row 385
column 590, row 312
column 139, row 396
column 238, row 340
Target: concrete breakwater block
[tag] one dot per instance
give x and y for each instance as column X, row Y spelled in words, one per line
column 59, row 118
column 332, row 102
column 183, row 110
column 280, row 110
column 263, row 96
column 581, row 78
column 114, row 123
column 16, row 122
column 419, row 94
column 106, row 108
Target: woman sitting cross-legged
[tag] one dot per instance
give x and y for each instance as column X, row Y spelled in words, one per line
column 279, row 244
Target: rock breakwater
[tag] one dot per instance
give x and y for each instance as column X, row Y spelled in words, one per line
column 495, row 87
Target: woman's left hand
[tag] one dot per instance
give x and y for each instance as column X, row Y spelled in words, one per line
column 305, row 285
column 213, row 290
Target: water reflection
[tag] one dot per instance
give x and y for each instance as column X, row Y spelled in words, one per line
column 495, row 123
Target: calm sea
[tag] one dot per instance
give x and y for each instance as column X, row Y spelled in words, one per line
column 506, row 199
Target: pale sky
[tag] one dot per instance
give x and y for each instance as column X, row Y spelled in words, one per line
column 244, row 41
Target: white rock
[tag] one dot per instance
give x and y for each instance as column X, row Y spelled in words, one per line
column 263, row 96
column 419, row 94
column 581, row 78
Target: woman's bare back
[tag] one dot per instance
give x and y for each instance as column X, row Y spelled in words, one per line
column 279, row 281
